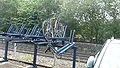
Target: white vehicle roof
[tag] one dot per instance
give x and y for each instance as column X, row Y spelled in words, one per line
column 109, row 56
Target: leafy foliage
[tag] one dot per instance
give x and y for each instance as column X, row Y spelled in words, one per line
column 94, row 20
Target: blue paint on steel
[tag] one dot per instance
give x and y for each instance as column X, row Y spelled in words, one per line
column 74, row 57
column 65, row 48
column 33, row 35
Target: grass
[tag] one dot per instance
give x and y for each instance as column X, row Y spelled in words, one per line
column 27, row 57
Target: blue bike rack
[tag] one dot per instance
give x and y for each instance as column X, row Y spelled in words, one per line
column 63, row 48
column 70, row 45
column 10, row 33
column 34, row 35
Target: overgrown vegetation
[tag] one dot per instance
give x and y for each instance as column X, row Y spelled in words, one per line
column 94, row 20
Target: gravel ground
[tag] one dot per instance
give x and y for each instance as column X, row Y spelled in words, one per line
column 47, row 61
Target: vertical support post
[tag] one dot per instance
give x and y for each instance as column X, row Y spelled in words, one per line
column 35, row 56
column 15, row 47
column 55, row 61
column 74, row 56
column 6, row 50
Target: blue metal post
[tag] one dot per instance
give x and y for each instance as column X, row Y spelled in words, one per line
column 6, row 50
column 74, row 56
column 35, row 56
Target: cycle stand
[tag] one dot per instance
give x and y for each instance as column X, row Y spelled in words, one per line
column 34, row 35
column 53, row 44
column 8, row 39
column 63, row 48
column 28, row 38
